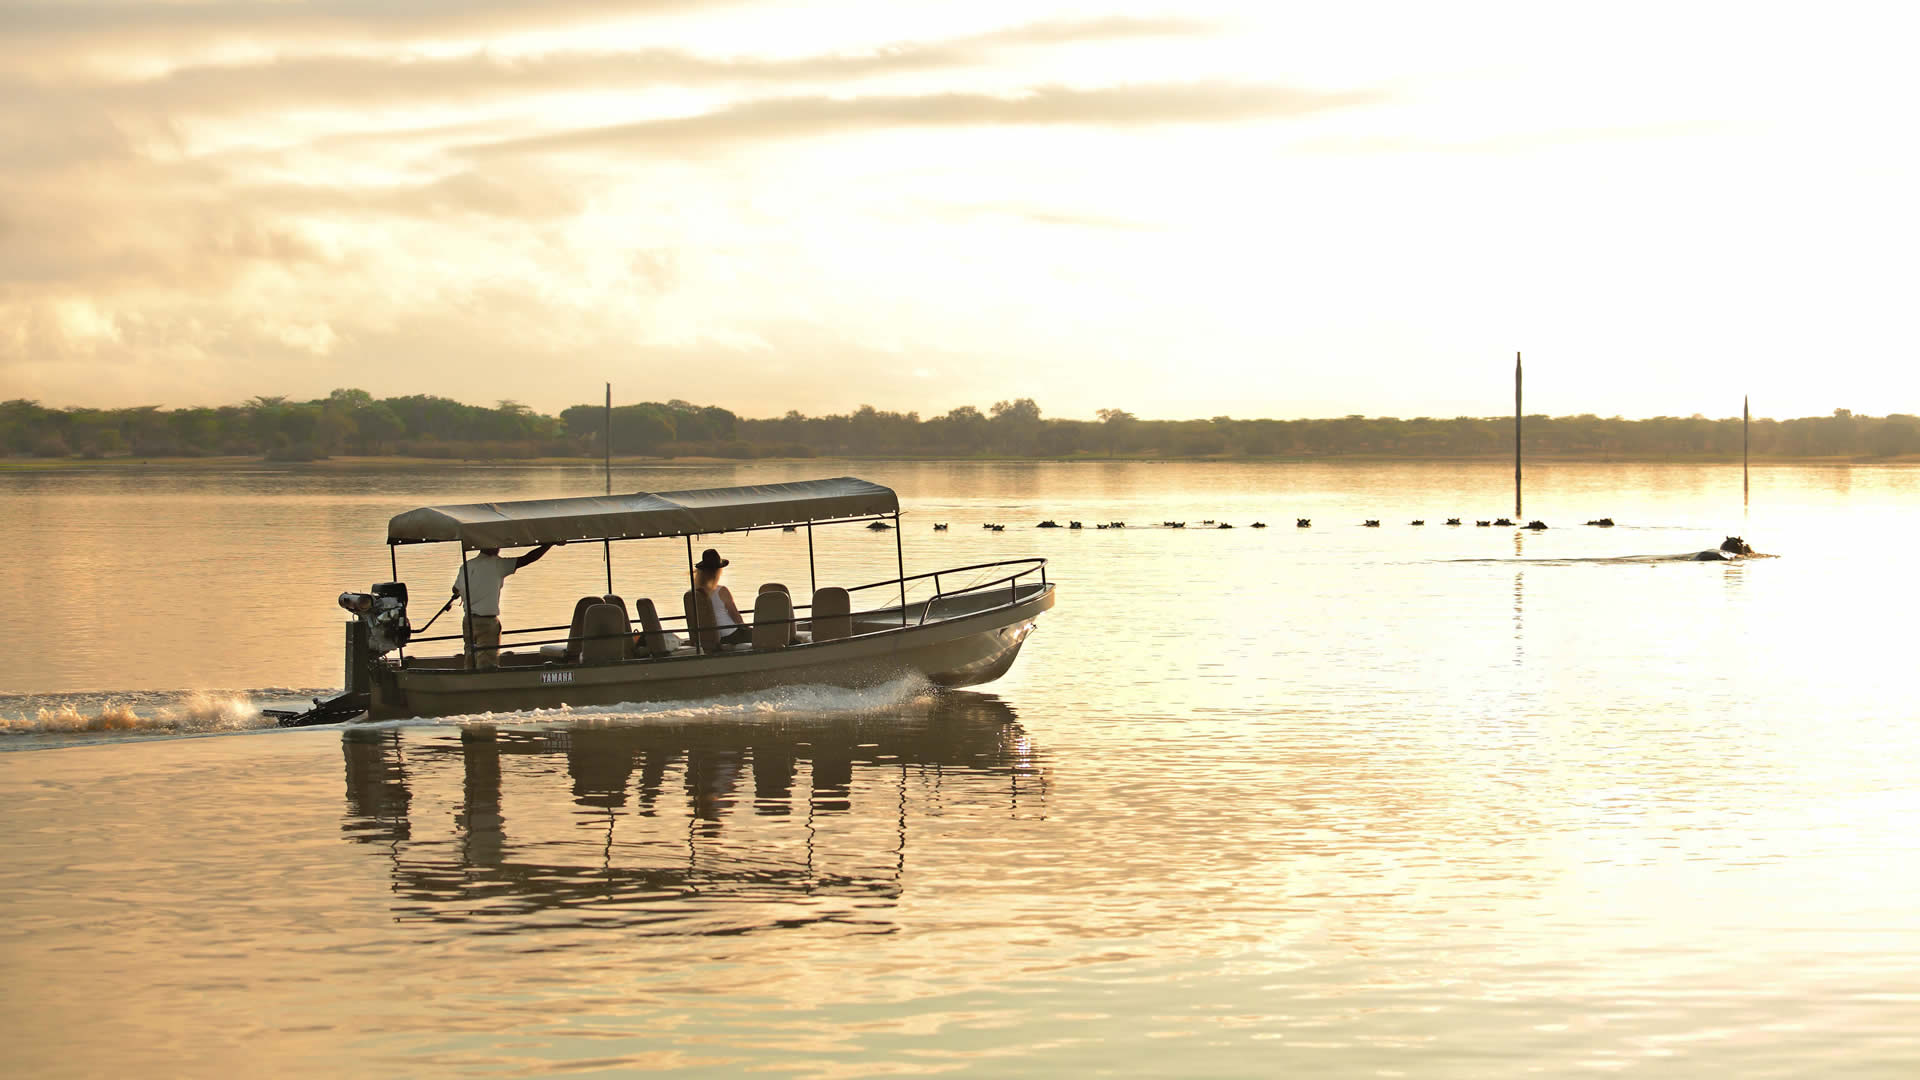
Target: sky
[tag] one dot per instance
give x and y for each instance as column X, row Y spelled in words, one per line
column 1180, row 209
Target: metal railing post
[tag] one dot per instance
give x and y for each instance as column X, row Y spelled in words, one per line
column 938, row 592
column 693, row 609
column 393, row 564
column 466, row 609
column 900, row 566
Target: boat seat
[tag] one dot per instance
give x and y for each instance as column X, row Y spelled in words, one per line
column 799, row 637
column 616, row 600
column 772, row 625
column 652, row 640
column 606, row 631
column 832, row 614
column 570, row 652
column 699, row 624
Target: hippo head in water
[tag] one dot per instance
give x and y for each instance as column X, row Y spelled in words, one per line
column 1733, row 545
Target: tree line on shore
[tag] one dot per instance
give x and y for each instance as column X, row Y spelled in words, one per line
column 354, row 423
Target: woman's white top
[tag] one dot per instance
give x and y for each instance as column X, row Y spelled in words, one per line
column 723, row 620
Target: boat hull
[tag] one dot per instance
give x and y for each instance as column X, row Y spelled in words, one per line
column 955, row 646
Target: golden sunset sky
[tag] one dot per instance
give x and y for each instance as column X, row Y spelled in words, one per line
column 1181, row 209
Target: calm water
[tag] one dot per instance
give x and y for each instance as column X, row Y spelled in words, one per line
column 1338, row 801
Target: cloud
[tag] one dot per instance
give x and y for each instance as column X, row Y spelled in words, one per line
column 58, row 28
column 1112, row 28
column 89, row 199
column 160, row 244
column 196, row 197
column 35, row 133
column 513, row 197
column 1040, row 215
column 1522, row 141
column 511, row 342
column 359, row 80
column 1134, row 106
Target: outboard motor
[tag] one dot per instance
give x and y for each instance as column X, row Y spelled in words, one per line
column 384, row 611
column 379, row 626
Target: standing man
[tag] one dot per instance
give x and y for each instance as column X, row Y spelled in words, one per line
column 478, row 587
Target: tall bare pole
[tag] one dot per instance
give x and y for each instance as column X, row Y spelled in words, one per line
column 1516, row 436
column 606, row 546
column 1746, row 485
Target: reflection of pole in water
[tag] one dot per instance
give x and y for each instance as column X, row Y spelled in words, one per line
column 900, row 853
column 1519, row 600
column 1519, row 621
column 812, row 878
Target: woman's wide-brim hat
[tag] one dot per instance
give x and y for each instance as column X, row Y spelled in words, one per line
column 710, row 560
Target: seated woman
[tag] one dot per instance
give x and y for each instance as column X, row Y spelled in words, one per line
column 717, row 600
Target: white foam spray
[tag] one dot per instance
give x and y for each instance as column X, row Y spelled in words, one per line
column 783, row 702
column 195, row 712
column 214, row 711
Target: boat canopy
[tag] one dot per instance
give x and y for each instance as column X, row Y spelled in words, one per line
column 642, row 514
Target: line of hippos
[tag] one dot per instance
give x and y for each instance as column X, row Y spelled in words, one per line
column 1732, row 546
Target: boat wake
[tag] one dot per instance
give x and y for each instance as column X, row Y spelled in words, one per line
column 1622, row 560
column 782, row 703
column 137, row 712
column 69, row 719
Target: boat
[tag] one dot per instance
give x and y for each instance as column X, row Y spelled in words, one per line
column 856, row 637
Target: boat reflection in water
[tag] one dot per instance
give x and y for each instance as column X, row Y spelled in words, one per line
column 684, row 826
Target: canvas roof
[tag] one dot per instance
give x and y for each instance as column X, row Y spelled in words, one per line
column 642, row 514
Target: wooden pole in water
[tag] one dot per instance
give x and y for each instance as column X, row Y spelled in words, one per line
column 1746, row 485
column 606, row 546
column 1516, row 437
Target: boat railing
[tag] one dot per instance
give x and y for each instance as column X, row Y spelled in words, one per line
column 1031, row 567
